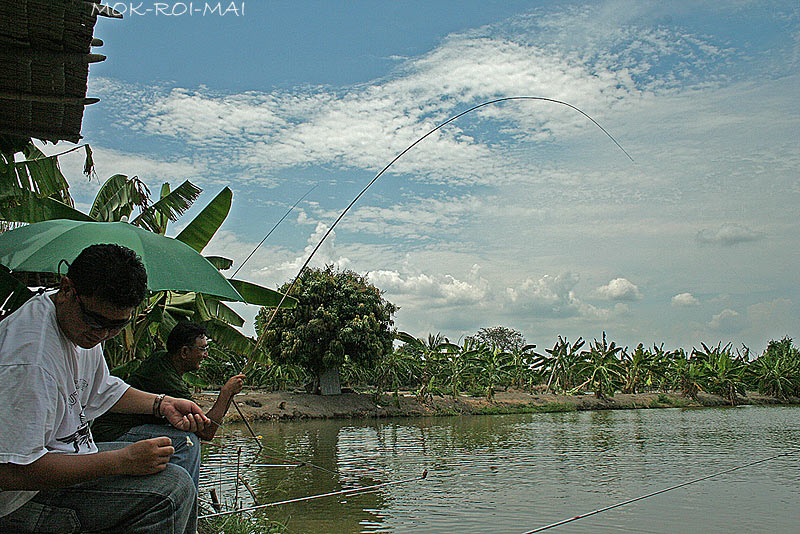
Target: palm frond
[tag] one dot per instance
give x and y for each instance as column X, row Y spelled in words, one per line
column 171, row 206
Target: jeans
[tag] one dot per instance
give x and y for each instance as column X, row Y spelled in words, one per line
column 186, row 456
column 162, row 503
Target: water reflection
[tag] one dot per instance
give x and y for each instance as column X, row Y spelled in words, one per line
column 512, row 473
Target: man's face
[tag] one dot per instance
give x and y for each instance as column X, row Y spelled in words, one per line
column 193, row 354
column 89, row 320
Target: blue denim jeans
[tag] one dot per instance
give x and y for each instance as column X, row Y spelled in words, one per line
column 162, row 503
column 186, row 455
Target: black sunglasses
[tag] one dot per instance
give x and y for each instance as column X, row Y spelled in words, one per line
column 95, row 321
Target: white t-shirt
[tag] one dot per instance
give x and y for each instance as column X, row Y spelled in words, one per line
column 50, row 389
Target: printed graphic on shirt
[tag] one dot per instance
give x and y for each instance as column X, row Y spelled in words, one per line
column 83, row 434
column 81, row 437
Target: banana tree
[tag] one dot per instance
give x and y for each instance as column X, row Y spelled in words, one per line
column 431, row 356
column 777, row 371
column 723, row 373
column 602, row 368
column 561, row 365
column 493, row 368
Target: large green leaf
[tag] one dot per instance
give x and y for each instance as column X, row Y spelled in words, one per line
column 25, row 206
column 223, row 264
column 262, row 296
column 118, row 196
column 222, row 312
column 41, row 176
column 170, row 206
column 162, row 220
column 230, row 338
column 203, row 227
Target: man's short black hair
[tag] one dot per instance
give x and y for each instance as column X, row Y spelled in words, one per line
column 109, row 272
column 184, row 335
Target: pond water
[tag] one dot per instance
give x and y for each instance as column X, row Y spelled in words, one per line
column 514, row 473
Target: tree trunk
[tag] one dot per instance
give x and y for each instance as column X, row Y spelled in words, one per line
column 329, row 382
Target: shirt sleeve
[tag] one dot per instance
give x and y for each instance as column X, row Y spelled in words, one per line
column 105, row 390
column 28, row 416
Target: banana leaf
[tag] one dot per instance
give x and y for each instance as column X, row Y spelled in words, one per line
column 223, row 264
column 199, row 232
column 227, row 336
column 170, row 206
column 262, row 296
column 22, row 205
column 117, row 198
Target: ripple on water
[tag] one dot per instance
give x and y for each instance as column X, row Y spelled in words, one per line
column 513, row 473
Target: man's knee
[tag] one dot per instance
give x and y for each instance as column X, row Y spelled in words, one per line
column 177, row 483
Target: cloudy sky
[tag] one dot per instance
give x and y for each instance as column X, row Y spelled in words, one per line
column 522, row 213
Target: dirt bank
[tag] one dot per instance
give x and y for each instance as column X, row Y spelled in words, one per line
column 264, row 405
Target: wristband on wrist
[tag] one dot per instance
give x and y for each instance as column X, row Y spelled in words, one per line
column 157, row 405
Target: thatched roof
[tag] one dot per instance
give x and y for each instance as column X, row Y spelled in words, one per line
column 45, row 51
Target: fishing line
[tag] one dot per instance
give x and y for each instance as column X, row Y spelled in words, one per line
column 629, row 501
column 366, row 489
column 273, row 229
column 250, row 360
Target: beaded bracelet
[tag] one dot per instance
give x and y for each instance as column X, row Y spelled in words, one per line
column 157, row 405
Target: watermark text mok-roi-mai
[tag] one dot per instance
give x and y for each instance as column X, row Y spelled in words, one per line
column 171, row 9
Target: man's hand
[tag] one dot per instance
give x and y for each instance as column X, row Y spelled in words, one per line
column 183, row 414
column 233, row 385
column 145, row 457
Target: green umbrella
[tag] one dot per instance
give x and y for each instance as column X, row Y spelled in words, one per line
column 170, row 264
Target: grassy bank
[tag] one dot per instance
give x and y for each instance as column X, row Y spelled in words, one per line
column 271, row 406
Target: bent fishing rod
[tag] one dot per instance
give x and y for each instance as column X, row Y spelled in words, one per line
column 251, row 359
column 351, row 491
column 653, row 494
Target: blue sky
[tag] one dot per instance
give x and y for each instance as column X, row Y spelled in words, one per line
column 522, row 214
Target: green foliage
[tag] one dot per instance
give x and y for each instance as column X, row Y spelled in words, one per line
column 240, row 524
column 500, row 337
column 34, row 189
column 601, row 368
column 339, row 315
column 777, row 371
column 561, row 367
column 722, row 373
column 493, row 368
column 685, row 374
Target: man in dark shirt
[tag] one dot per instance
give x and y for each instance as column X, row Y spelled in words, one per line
column 187, row 346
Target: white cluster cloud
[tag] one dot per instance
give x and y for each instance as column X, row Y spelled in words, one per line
column 619, row 289
column 684, row 300
column 438, row 289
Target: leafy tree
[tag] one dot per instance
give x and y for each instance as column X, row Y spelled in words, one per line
column 722, row 373
column 32, row 187
column 500, row 337
column 339, row 315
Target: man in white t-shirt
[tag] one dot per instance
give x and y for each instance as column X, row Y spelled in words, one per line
column 53, row 382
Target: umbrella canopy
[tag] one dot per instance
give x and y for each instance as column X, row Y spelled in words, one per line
column 170, row 264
